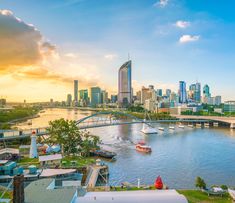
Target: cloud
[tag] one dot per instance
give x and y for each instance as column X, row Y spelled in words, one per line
column 110, row 56
column 21, row 44
column 182, row 24
column 70, row 55
column 189, row 38
column 161, row 3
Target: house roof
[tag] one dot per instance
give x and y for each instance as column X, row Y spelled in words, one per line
column 50, row 157
column 146, row 196
column 9, row 151
column 37, row 192
column 55, row 172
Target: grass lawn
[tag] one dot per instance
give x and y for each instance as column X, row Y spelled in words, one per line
column 28, row 161
column 7, row 195
column 196, row 196
column 80, row 161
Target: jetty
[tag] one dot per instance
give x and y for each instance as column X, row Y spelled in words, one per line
column 95, row 172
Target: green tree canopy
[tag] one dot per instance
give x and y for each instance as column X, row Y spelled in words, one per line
column 200, row 183
column 72, row 140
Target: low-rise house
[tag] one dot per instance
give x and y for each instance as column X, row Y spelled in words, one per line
column 9, row 154
column 52, row 160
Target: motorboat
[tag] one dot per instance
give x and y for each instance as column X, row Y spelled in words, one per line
column 147, row 129
column 171, row 127
column 190, row 126
column 181, row 126
column 142, row 147
column 161, row 128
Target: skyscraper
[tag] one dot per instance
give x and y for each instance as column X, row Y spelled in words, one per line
column 69, row 100
column 182, row 92
column 125, row 85
column 197, row 95
column 95, row 96
column 206, row 91
column 75, row 92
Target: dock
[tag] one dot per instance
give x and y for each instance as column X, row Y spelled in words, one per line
column 95, row 172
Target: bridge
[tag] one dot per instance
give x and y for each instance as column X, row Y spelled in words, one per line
column 222, row 119
column 100, row 119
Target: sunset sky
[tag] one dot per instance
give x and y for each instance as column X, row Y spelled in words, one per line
column 46, row 44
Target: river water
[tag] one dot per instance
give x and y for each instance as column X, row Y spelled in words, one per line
column 179, row 156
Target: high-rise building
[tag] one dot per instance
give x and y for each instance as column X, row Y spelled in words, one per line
column 125, row 85
column 69, row 100
column 168, row 93
column 182, row 92
column 145, row 94
column 104, row 97
column 206, row 91
column 83, row 97
column 75, row 92
column 114, row 98
column 95, row 96
column 159, row 92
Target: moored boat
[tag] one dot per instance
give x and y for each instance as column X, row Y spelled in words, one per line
column 103, row 153
column 161, row 128
column 171, row 127
column 142, row 147
column 181, row 126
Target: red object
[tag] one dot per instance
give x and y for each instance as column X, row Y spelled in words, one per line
column 33, row 132
column 159, row 183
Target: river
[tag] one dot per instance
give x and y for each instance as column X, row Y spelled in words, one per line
column 179, row 156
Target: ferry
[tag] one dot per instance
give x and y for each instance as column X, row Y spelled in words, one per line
column 142, row 147
column 161, row 128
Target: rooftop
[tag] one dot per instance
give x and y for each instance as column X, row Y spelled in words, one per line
column 146, row 196
column 50, row 157
column 38, row 192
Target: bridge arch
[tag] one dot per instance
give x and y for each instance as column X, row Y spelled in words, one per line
column 112, row 113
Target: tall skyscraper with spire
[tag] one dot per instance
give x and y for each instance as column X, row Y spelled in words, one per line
column 125, row 85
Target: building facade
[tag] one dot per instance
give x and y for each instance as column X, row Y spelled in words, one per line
column 95, row 96
column 75, row 92
column 125, row 85
column 182, row 92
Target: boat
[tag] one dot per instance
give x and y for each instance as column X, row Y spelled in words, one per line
column 171, row 127
column 232, row 193
column 29, row 122
column 190, row 126
column 103, row 153
column 161, row 128
column 142, row 147
column 181, row 126
column 148, row 129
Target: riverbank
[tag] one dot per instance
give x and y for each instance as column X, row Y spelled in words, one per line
column 197, row 196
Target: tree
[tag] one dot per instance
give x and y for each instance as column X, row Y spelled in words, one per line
column 72, row 140
column 200, row 183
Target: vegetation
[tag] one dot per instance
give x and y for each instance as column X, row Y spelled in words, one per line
column 72, row 140
column 17, row 113
column 153, row 116
column 74, row 161
column 200, row 183
column 137, row 108
column 196, row 196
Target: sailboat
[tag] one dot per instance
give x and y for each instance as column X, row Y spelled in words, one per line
column 148, row 129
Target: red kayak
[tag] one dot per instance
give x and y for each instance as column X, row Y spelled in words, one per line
column 158, row 183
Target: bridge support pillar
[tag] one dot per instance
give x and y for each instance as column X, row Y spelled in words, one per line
column 232, row 125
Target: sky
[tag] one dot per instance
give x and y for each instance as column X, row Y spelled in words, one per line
column 45, row 45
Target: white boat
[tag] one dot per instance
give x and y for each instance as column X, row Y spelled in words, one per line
column 171, row 127
column 181, row 126
column 161, row 128
column 190, row 126
column 232, row 193
column 148, row 129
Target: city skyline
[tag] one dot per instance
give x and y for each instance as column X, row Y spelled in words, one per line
column 193, row 44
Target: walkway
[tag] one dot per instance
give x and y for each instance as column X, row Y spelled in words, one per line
column 93, row 175
column 143, row 196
